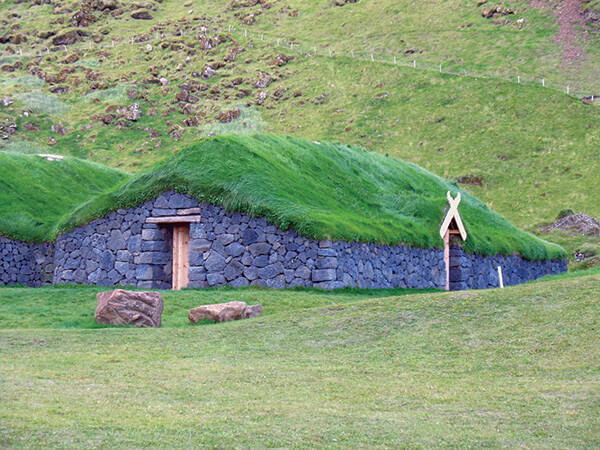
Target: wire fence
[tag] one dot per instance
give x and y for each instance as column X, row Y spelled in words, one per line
column 409, row 61
column 308, row 49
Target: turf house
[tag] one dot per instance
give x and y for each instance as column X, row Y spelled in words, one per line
column 268, row 211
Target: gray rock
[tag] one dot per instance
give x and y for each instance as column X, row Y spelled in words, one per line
column 259, row 248
column 215, row 262
column 199, row 245
column 303, row 272
column 215, row 279
column 233, row 270
column 225, row 239
column 107, row 261
column 235, row 249
column 251, row 273
column 249, row 237
column 326, row 263
column 260, row 261
column 323, row 275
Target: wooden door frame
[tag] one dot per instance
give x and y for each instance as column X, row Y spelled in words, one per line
column 181, row 255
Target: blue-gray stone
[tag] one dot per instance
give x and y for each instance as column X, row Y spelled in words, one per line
column 197, row 274
column 323, row 275
column 239, row 282
column 326, row 263
column 259, row 248
column 214, row 263
column 151, row 234
column 289, row 275
column 145, row 272
column 215, row 279
column 197, row 230
column 233, row 270
column 181, row 201
column 277, row 282
column 225, row 239
column 154, row 246
column 196, row 258
column 269, row 271
column 152, row 258
column 116, row 241
column 235, row 249
column 261, row 261
column 107, row 260
column 251, row 273
column 249, row 236
column 199, row 245
column 96, row 276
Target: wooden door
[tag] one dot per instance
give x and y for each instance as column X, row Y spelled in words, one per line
column 181, row 252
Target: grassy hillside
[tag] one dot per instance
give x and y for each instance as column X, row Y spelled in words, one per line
column 36, row 194
column 496, row 368
column 130, row 92
column 532, row 148
column 322, row 190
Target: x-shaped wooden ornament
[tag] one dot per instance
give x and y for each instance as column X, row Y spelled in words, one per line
column 453, row 214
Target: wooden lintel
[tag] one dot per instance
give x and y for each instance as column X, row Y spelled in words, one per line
column 189, row 211
column 174, row 219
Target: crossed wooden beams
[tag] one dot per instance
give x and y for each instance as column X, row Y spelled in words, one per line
column 452, row 225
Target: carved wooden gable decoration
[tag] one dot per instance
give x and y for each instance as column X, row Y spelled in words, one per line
column 452, row 222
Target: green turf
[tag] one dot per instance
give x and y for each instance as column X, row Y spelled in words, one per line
column 36, row 194
column 511, row 368
column 533, row 147
column 323, row 191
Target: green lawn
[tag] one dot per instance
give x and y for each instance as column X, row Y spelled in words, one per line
column 503, row 368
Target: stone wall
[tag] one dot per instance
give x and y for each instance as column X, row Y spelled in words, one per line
column 232, row 248
column 470, row 271
column 25, row 263
column 239, row 250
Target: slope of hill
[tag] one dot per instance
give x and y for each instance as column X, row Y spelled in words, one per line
column 90, row 80
column 36, row 194
column 323, row 191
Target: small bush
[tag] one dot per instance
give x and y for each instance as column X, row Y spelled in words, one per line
column 565, row 213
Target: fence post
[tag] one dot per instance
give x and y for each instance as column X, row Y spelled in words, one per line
column 500, row 279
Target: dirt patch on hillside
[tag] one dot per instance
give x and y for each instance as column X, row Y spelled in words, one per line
column 579, row 222
column 572, row 28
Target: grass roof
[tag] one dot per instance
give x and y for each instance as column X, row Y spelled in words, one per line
column 37, row 194
column 323, row 191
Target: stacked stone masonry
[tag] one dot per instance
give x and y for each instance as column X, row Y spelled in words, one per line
column 238, row 250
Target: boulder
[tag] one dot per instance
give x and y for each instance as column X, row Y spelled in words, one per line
column 224, row 312
column 142, row 14
column 120, row 307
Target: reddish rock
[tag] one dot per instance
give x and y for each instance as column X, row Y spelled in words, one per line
column 224, row 312
column 120, row 307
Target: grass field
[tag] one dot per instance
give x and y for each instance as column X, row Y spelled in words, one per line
column 500, row 368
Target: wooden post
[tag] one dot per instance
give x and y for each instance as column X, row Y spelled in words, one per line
column 181, row 259
column 447, row 258
column 501, row 280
